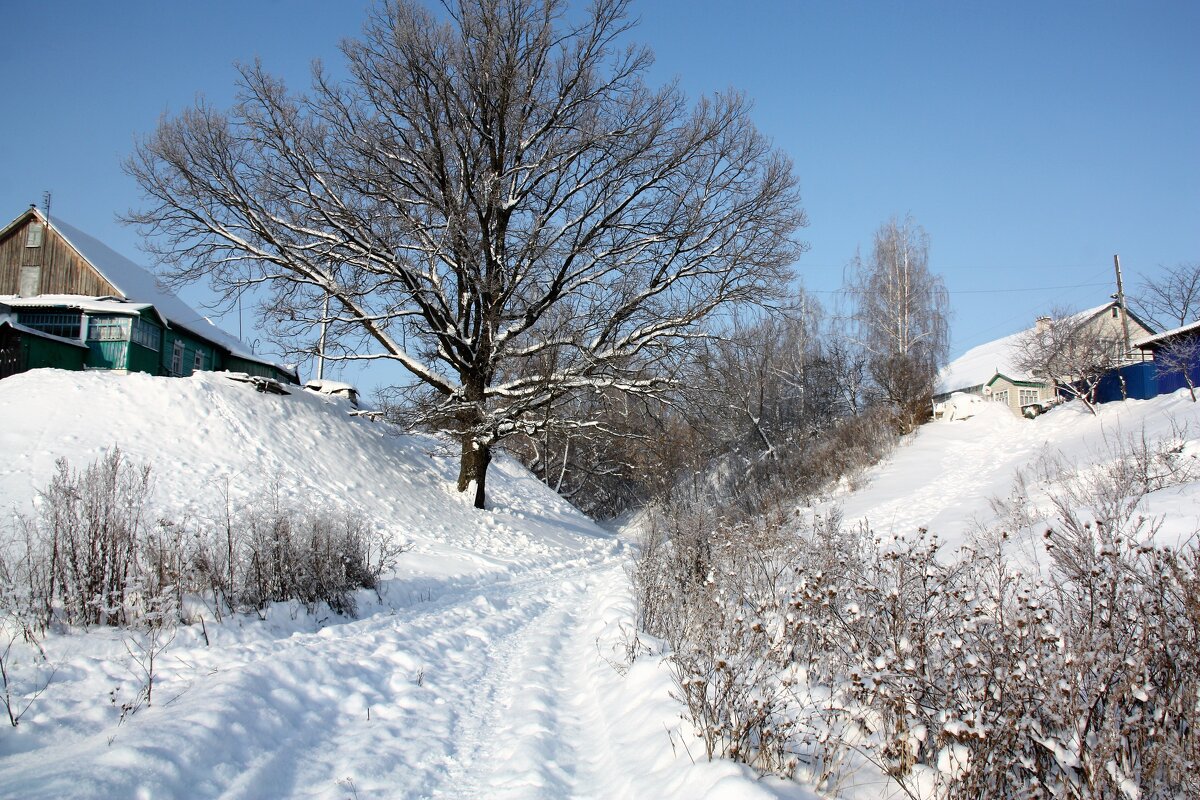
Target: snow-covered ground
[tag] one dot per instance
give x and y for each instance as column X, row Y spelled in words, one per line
column 943, row 478
column 492, row 664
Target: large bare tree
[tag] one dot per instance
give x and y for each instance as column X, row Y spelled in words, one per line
column 902, row 318
column 494, row 199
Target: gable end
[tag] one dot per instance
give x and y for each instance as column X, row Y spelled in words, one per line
column 53, row 266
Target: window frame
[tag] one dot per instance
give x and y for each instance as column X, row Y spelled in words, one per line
column 64, row 324
column 177, row 357
column 108, row 328
column 146, row 334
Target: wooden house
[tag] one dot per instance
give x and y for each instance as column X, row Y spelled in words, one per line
column 990, row 370
column 67, row 300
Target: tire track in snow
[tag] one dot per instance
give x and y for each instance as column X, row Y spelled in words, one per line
column 520, row 737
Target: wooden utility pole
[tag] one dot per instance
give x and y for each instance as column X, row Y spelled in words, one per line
column 1121, row 303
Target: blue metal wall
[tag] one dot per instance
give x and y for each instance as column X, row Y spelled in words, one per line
column 1142, row 381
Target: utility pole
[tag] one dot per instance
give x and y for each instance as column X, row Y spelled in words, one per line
column 321, row 346
column 1121, row 303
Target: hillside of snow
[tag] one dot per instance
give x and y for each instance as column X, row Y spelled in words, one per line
column 945, row 476
column 205, row 435
column 493, row 662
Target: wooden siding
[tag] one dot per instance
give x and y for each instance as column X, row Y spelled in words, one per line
column 143, row 359
column 191, row 344
column 108, row 355
column 63, row 271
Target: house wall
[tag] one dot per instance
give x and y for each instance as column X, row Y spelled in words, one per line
column 108, row 355
column 61, row 269
column 1009, row 393
column 1108, row 326
column 210, row 357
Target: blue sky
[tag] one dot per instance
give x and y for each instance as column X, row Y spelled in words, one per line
column 1031, row 140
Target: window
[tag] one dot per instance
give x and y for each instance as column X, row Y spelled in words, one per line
column 57, row 323
column 199, row 364
column 1028, row 396
column 147, row 334
column 108, row 329
column 30, row 281
column 33, row 236
column 1001, row 397
column 177, row 358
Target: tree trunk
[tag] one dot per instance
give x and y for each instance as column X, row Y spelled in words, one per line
column 476, row 457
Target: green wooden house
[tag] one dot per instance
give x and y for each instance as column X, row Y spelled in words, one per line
column 69, row 301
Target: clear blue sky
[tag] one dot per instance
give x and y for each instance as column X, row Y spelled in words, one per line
column 1032, row 140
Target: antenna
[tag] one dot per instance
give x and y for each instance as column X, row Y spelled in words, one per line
column 46, row 203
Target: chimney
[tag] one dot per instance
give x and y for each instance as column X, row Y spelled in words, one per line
column 1042, row 325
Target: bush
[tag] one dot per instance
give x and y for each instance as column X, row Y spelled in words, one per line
column 87, row 556
column 795, row 642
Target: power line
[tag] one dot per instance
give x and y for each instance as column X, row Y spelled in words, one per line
column 979, row 291
column 1029, row 289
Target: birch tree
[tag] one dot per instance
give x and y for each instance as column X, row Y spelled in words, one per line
column 902, row 316
column 494, row 199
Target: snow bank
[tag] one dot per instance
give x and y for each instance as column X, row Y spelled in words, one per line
column 207, row 435
column 944, row 476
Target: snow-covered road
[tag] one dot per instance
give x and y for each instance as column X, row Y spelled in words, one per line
column 485, row 691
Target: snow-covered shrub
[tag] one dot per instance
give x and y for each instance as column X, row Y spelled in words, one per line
column 706, row 585
column 82, row 546
column 956, row 674
column 313, row 556
column 87, row 555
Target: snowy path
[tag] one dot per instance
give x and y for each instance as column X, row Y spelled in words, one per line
column 522, row 733
column 477, row 694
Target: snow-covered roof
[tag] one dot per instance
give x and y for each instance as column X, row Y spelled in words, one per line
column 1148, row 340
column 980, row 364
column 92, row 305
column 136, row 283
